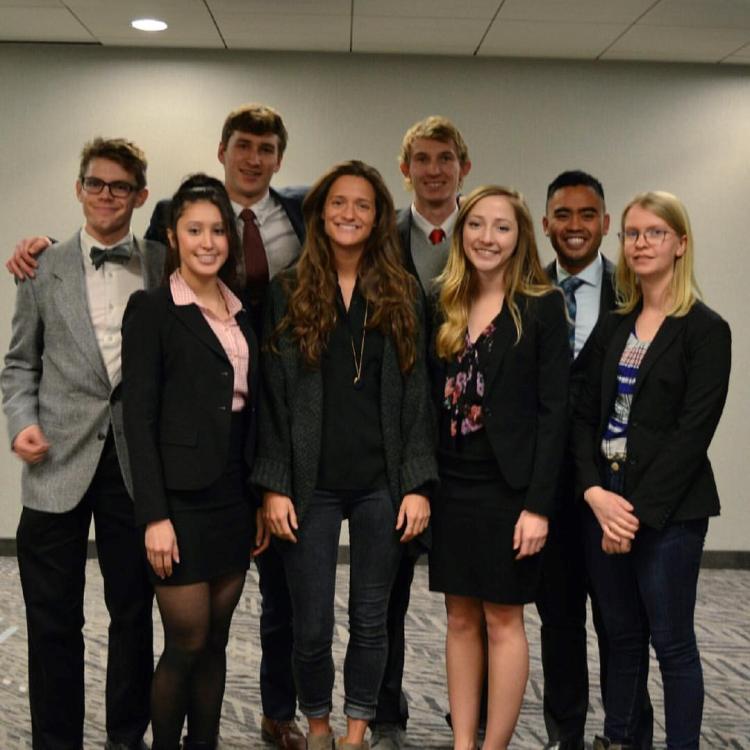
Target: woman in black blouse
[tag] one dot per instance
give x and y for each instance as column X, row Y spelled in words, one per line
column 344, row 433
column 501, row 389
column 654, row 391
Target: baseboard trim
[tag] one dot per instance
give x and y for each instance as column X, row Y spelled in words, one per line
column 723, row 559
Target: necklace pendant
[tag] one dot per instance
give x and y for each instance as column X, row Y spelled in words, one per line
column 358, row 384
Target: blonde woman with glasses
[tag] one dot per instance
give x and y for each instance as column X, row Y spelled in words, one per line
column 654, row 391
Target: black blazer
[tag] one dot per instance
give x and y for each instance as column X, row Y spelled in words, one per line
column 679, row 396
column 290, row 200
column 177, row 387
column 526, row 397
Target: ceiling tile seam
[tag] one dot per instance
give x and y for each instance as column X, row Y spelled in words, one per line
column 88, row 30
column 351, row 26
column 216, row 25
column 734, row 52
column 487, row 30
column 625, row 31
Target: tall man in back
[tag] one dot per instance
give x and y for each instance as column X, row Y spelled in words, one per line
column 61, row 397
column 576, row 220
column 434, row 160
column 272, row 229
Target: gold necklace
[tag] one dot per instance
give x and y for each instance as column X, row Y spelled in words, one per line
column 358, row 384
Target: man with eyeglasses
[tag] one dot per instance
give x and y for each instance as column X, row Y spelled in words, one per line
column 61, row 397
column 576, row 220
column 272, row 229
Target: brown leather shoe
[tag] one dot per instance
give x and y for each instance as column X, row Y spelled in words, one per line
column 285, row 735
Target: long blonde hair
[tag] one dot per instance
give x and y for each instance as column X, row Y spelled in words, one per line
column 683, row 289
column 523, row 273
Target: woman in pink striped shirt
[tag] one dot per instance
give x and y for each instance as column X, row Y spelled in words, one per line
column 189, row 373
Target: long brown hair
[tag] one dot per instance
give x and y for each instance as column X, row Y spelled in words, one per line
column 382, row 280
column 523, row 272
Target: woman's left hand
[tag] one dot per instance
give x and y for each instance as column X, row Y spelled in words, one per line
column 611, row 547
column 530, row 534
column 413, row 516
column 262, row 534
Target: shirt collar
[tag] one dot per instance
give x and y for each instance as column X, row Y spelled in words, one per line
column 591, row 275
column 261, row 208
column 182, row 294
column 428, row 226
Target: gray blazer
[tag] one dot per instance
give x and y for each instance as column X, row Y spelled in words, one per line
column 55, row 377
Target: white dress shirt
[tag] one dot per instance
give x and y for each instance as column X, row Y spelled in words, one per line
column 108, row 288
column 281, row 243
column 427, row 226
column 588, row 298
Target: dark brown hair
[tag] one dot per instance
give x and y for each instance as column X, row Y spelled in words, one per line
column 382, row 279
column 122, row 152
column 257, row 119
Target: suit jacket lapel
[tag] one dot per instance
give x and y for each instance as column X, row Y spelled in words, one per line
column 663, row 339
column 71, row 297
column 192, row 318
column 152, row 263
column 607, row 299
column 503, row 338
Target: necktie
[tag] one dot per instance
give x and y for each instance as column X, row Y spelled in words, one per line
column 569, row 285
column 256, row 263
column 118, row 254
column 436, row 236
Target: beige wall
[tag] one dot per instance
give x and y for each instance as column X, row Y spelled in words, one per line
column 636, row 126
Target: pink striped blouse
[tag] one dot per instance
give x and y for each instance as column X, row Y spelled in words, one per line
column 227, row 331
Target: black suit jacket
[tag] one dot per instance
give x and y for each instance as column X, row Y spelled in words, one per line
column 526, row 397
column 290, row 200
column 403, row 224
column 679, row 396
column 177, row 389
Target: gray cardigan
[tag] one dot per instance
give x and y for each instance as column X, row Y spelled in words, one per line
column 290, row 415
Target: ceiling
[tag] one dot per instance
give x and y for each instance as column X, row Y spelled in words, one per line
column 700, row 31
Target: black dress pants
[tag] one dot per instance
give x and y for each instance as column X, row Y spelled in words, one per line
column 561, row 603
column 52, row 562
column 277, row 690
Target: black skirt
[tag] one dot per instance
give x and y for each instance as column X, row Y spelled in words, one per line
column 472, row 540
column 215, row 526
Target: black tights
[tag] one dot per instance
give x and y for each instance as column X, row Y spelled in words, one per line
column 189, row 678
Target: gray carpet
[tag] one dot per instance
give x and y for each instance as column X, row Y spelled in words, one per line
column 723, row 618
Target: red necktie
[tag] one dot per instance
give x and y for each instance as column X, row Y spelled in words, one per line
column 437, row 236
column 256, row 263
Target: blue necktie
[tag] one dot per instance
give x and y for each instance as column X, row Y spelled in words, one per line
column 569, row 285
column 118, row 254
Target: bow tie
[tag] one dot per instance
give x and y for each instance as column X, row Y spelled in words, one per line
column 118, row 254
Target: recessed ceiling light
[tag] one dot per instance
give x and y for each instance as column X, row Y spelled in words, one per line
column 148, row 24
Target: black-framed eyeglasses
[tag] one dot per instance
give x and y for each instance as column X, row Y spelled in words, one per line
column 653, row 236
column 117, row 188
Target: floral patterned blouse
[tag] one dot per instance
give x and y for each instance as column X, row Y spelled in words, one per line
column 464, row 385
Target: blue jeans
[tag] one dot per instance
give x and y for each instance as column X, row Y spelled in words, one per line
column 310, row 566
column 651, row 592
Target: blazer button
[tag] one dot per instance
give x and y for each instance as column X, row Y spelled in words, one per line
column 101, row 436
column 225, row 373
column 222, row 408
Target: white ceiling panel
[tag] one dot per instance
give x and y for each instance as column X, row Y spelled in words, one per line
column 281, row 7
column 676, row 44
column 572, row 11
column 31, row 4
column 485, row 9
column 419, row 36
column 300, row 32
column 41, row 25
column 189, row 23
column 728, row 14
column 563, row 40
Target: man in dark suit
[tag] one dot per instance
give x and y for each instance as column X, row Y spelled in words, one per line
column 576, row 220
column 434, row 160
column 61, row 396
